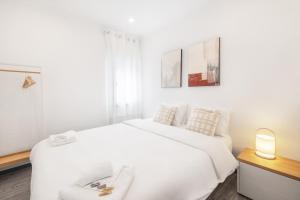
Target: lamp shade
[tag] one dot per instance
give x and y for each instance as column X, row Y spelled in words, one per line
column 265, row 143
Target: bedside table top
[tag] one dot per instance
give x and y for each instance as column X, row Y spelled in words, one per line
column 283, row 166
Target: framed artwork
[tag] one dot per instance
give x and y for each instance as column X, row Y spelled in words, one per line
column 204, row 63
column 171, row 69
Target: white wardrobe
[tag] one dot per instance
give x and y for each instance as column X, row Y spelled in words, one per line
column 20, row 109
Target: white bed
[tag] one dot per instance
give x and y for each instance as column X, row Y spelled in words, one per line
column 170, row 163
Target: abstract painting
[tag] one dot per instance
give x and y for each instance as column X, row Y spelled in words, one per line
column 171, row 69
column 204, row 63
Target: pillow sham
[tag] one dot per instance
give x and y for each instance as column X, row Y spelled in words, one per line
column 180, row 114
column 203, row 121
column 165, row 115
column 224, row 120
column 223, row 125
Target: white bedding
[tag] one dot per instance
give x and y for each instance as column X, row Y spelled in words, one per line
column 169, row 163
column 226, row 138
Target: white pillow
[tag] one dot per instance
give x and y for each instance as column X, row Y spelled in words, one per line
column 203, row 121
column 223, row 125
column 165, row 115
column 180, row 115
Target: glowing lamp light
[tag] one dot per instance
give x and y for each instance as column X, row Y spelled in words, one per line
column 265, row 143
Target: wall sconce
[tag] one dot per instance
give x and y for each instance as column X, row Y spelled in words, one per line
column 265, row 143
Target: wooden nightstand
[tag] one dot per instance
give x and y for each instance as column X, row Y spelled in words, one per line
column 262, row 179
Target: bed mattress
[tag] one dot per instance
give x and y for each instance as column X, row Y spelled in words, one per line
column 169, row 163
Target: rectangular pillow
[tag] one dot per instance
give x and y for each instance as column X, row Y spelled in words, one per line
column 165, row 115
column 223, row 125
column 203, row 121
column 180, row 115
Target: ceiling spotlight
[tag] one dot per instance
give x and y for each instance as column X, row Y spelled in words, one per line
column 131, row 20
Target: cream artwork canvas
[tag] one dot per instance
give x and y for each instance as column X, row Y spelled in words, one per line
column 204, row 63
column 171, row 69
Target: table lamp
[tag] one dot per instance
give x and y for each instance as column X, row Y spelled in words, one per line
column 265, row 143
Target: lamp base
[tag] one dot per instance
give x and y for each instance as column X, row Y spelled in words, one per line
column 265, row 156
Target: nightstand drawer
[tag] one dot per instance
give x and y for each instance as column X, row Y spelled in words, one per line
column 259, row 184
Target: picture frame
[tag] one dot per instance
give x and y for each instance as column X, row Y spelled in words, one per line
column 204, row 63
column 171, row 69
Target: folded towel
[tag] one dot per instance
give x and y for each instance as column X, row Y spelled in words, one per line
column 63, row 138
column 121, row 182
column 100, row 171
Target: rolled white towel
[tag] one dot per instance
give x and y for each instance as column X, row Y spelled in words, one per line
column 100, row 171
column 63, row 138
column 121, row 184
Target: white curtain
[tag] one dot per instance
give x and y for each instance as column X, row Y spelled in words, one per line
column 123, row 76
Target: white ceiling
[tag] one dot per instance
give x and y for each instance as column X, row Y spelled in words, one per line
column 149, row 15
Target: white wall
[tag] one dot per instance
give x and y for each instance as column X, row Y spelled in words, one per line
column 260, row 67
column 71, row 55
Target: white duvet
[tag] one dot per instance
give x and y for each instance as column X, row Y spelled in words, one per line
column 169, row 163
